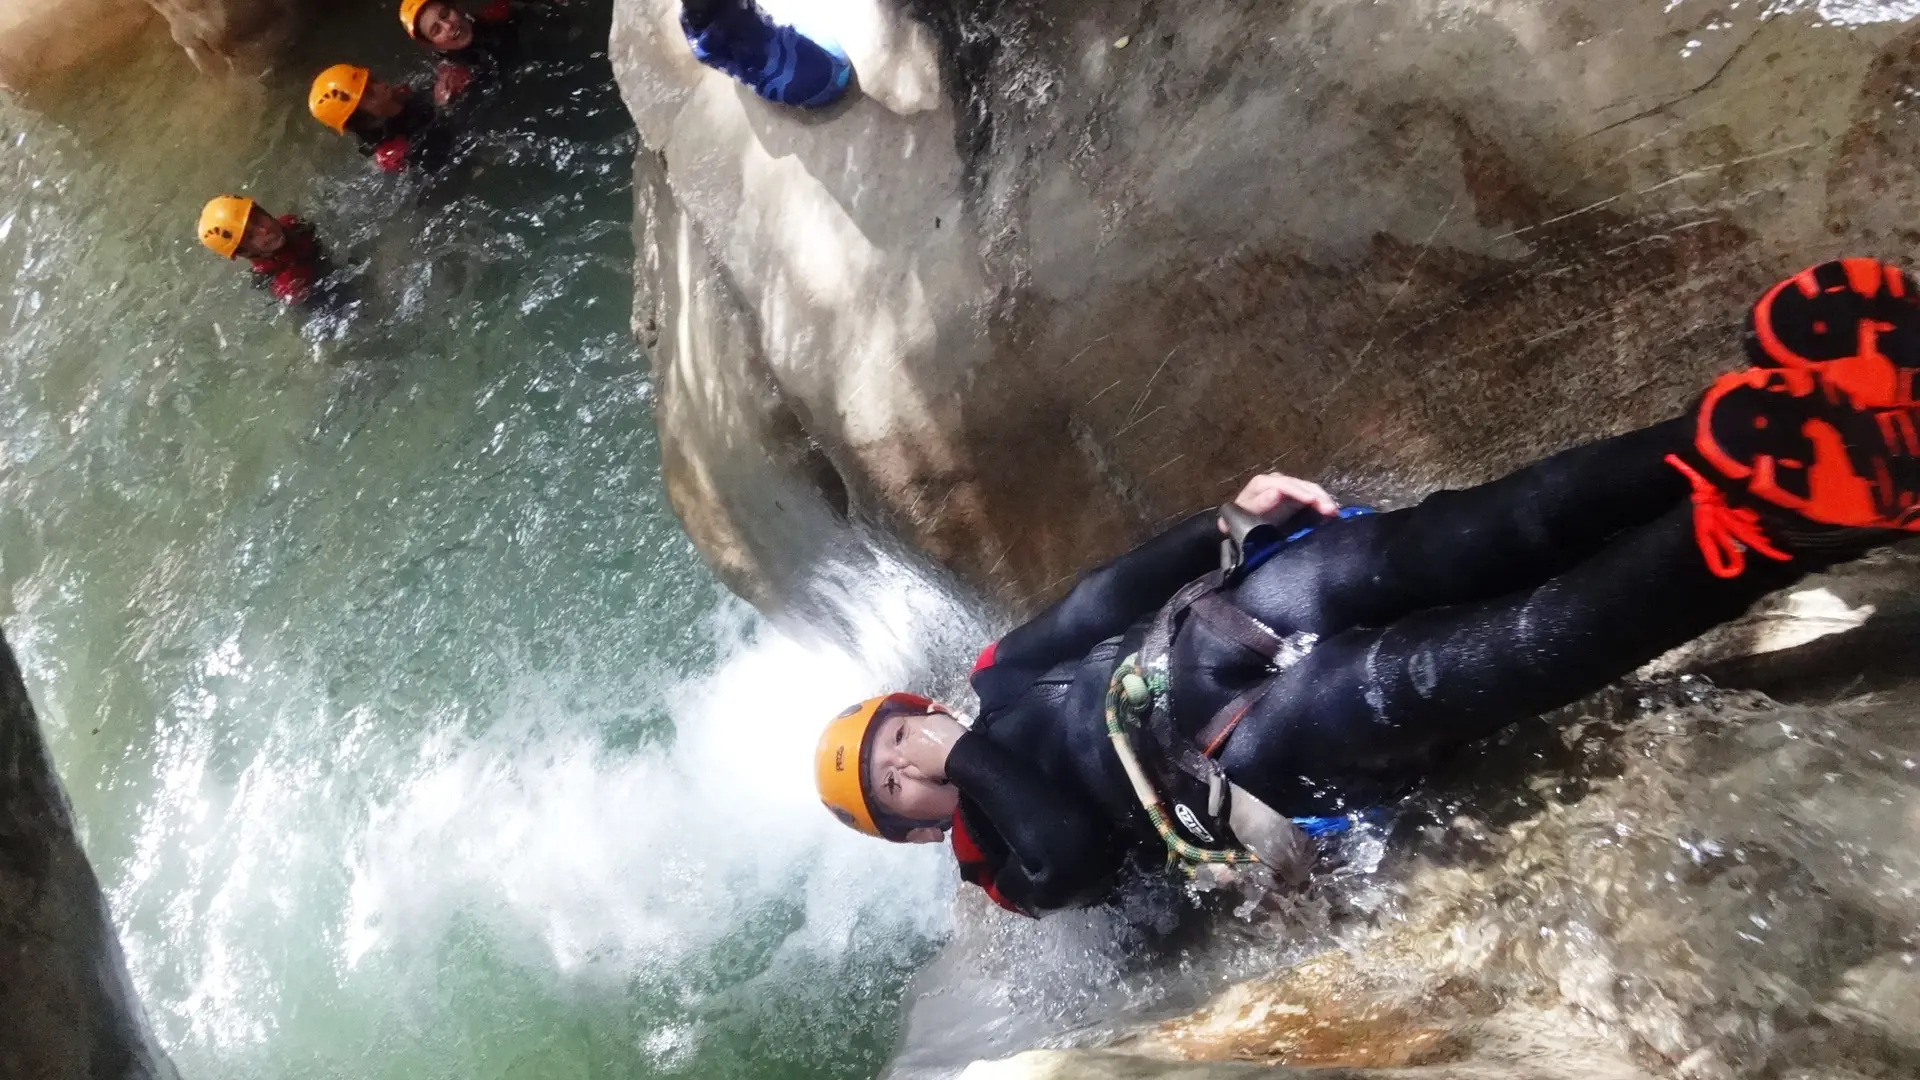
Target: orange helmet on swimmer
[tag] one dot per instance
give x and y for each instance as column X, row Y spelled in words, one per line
column 840, row 761
column 335, row 93
column 410, row 16
column 223, row 223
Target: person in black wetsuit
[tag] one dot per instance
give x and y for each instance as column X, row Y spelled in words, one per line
column 481, row 50
column 1328, row 676
column 396, row 124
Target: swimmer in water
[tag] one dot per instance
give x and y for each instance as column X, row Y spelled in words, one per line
column 1197, row 704
column 478, row 52
column 286, row 256
column 396, row 124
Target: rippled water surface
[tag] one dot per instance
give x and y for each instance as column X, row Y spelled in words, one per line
column 409, row 735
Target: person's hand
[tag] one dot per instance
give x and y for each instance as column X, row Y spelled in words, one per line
column 1266, row 494
column 391, row 156
column 928, row 742
column 449, row 81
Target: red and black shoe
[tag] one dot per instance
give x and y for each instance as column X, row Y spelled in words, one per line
column 1793, row 458
column 1855, row 321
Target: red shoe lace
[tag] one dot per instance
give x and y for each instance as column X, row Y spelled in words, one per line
column 1725, row 534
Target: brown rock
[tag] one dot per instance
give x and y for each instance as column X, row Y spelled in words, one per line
column 1033, row 295
column 41, row 38
column 232, row 35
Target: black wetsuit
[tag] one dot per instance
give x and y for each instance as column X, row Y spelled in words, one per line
column 1437, row 625
column 496, row 49
column 416, row 137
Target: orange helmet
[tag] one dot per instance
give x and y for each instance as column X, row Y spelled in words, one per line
column 410, row 16
column 223, row 224
column 336, row 92
column 840, row 762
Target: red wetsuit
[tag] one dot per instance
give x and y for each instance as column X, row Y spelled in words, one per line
column 290, row 272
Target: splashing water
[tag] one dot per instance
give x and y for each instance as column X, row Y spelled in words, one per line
column 412, row 740
column 407, row 732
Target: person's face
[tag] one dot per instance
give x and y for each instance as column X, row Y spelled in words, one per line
column 898, row 784
column 444, row 27
column 383, row 99
column 263, row 237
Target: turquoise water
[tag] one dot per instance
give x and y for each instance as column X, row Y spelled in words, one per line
column 408, row 733
column 412, row 739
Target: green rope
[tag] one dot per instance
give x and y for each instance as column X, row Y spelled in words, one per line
column 1130, row 695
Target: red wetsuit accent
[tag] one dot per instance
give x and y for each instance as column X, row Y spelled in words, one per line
column 985, row 659
column 411, row 137
column 497, row 12
column 975, row 867
column 456, row 77
column 391, row 154
column 289, row 273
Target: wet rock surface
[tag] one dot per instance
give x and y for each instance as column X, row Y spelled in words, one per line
column 70, row 1010
column 1667, row 880
column 1064, row 271
column 44, row 40
column 241, row 36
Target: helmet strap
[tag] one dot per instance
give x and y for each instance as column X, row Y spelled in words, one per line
column 895, row 828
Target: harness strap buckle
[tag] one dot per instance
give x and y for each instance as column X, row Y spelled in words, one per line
column 1242, row 527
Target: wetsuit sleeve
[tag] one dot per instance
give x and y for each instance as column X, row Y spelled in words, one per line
column 486, row 74
column 697, row 15
column 305, row 240
column 390, row 155
column 1104, row 602
column 293, row 285
column 1058, row 843
column 423, row 133
column 458, row 78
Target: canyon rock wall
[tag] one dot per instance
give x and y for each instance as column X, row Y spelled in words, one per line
column 44, row 39
column 1064, row 270
column 70, row 1010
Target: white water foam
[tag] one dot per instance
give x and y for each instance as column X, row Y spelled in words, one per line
column 625, row 860
column 328, row 854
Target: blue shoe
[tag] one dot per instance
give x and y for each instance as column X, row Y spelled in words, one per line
column 780, row 63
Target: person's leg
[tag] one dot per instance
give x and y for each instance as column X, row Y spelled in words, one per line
column 1367, row 709
column 1855, row 323
column 1789, row 473
column 699, row 14
column 1459, row 546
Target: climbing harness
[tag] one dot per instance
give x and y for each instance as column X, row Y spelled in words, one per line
column 1137, row 703
column 1130, row 696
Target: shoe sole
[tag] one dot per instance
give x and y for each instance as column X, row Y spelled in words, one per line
column 1844, row 470
column 1808, row 312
